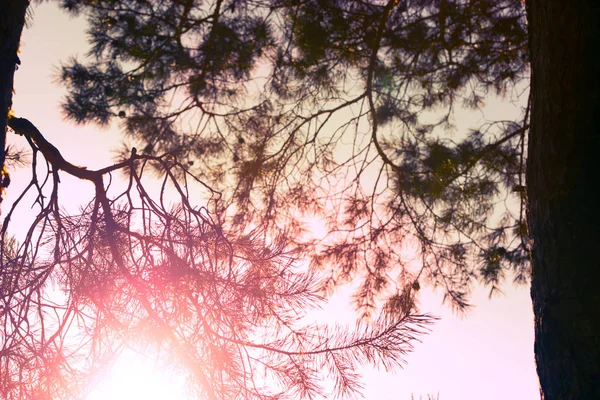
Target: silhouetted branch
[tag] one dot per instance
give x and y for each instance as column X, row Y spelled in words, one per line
column 228, row 306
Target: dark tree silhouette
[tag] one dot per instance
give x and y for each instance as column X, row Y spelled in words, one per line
column 12, row 21
column 155, row 262
column 562, row 176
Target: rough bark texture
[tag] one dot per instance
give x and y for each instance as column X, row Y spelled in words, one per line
column 563, row 178
column 12, row 19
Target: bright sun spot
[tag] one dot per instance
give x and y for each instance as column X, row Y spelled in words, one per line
column 316, row 226
column 136, row 376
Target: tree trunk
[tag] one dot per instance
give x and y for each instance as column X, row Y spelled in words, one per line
column 12, row 19
column 563, row 178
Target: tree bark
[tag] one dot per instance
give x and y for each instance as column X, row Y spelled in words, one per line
column 563, row 178
column 12, row 20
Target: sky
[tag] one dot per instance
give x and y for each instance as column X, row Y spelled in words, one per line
column 486, row 354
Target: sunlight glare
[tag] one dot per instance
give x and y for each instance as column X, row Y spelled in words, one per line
column 138, row 376
column 316, row 227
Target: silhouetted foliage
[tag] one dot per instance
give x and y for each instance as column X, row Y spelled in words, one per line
column 145, row 262
column 255, row 115
column 337, row 108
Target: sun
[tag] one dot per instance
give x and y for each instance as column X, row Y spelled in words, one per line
column 139, row 376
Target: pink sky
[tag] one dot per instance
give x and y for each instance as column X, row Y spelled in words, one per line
column 488, row 354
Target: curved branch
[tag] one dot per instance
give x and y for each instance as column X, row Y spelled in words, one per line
column 24, row 127
column 370, row 74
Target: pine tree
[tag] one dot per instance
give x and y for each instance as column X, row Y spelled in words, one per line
column 274, row 101
column 163, row 267
column 336, row 108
